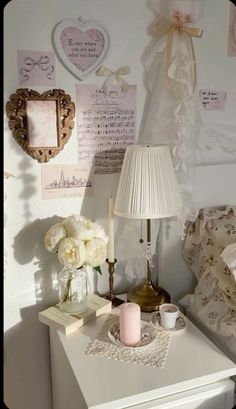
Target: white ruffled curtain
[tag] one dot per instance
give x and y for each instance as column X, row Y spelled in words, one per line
column 172, row 115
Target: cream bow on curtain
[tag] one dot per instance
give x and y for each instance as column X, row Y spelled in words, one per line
column 172, row 116
column 179, row 25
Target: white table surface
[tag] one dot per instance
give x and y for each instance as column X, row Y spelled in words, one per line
column 193, row 360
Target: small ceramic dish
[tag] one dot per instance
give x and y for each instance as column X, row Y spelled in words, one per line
column 180, row 324
column 148, row 335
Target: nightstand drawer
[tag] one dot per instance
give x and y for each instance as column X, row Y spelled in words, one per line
column 215, row 396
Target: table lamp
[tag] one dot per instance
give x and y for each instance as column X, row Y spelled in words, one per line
column 148, row 189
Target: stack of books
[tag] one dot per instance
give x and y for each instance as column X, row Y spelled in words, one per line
column 67, row 323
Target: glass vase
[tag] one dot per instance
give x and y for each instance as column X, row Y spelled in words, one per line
column 73, row 290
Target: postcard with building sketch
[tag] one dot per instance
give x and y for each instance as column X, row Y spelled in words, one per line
column 60, row 181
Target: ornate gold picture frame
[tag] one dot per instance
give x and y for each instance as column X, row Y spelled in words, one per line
column 41, row 123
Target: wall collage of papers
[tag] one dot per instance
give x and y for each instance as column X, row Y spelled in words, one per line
column 105, row 112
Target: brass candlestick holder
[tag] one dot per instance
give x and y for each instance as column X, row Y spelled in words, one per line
column 114, row 300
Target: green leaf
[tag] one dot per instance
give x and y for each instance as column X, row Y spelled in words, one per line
column 98, row 269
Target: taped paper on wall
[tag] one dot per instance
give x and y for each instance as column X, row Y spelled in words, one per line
column 60, row 181
column 106, row 124
column 212, row 100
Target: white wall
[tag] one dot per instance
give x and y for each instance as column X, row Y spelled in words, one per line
column 30, row 272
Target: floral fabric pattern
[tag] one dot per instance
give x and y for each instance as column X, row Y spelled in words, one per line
column 215, row 293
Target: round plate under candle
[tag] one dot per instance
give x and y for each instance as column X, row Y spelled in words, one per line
column 148, row 335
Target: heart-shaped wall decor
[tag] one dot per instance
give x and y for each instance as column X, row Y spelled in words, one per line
column 81, row 46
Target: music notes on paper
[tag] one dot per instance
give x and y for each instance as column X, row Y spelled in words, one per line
column 106, row 124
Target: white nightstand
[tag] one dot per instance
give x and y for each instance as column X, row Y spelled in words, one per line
column 196, row 375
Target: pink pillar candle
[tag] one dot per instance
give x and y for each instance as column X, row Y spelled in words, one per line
column 130, row 324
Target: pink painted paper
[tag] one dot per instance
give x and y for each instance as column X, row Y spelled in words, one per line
column 36, row 68
column 82, row 48
column 232, row 32
column 63, row 181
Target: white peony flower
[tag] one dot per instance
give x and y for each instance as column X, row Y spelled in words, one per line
column 53, row 237
column 71, row 253
column 96, row 252
column 100, row 233
column 78, row 242
column 79, row 227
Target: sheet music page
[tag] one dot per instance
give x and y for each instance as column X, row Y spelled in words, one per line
column 106, row 124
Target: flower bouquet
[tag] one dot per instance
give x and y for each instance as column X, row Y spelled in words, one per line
column 79, row 243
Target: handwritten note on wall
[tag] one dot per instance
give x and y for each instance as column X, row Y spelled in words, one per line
column 106, row 124
column 212, row 100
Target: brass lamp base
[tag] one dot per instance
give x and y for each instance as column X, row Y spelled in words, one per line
column 148, row 297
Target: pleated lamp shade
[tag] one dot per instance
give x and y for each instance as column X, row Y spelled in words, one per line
column 148, row 187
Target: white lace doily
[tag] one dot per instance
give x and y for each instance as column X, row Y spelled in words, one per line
column 153, row 355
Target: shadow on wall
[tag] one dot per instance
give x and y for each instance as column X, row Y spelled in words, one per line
column 26, row 345
column 128, row 274
column 130, row 269
column 25, row 164
column 28, row 187
column 29, row 245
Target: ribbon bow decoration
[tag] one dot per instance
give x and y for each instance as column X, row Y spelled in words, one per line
column 178, row 24
column 43, row 63
column 114, row 77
